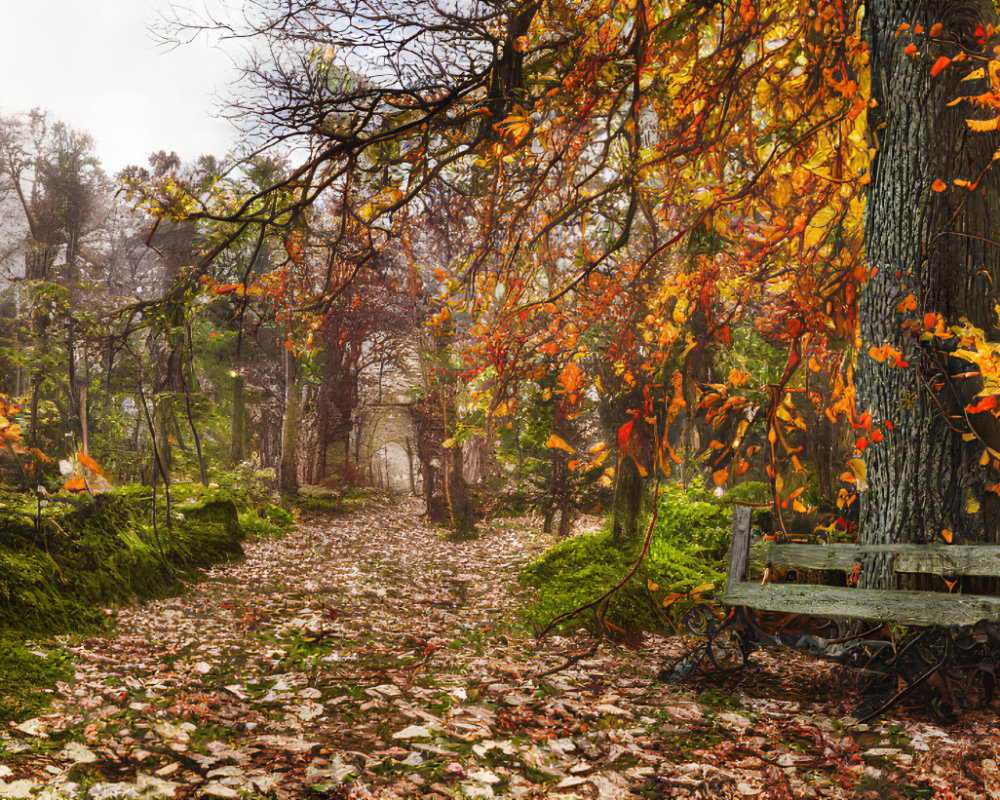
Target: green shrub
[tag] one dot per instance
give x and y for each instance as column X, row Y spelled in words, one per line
column 687, row 550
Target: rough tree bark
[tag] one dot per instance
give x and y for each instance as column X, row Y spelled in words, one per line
column 939, row 247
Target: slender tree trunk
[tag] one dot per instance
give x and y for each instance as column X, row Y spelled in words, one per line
column 457, row 492
column 288, row 481
column 84, row 426
column 923, row 478
column 236, row 451
column 409, row 462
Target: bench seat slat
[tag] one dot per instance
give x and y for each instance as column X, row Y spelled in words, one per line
column 877, row 605
column 937, row 559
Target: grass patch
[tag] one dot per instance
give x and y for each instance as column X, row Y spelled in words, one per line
column 688, row 550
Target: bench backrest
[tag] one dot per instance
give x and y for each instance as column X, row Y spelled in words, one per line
column 881, row 605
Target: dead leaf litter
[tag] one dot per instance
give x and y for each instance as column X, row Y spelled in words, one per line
column 366, row 656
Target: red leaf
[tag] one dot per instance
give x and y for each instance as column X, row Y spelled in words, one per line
column 624, row 434
column 987, row 403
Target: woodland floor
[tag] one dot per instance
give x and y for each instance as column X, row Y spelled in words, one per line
column 366, row 656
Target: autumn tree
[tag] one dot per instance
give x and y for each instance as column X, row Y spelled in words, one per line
column 600, row 135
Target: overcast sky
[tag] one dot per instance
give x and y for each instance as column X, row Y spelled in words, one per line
column 93, row 64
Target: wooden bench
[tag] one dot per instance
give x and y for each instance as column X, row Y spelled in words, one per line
column 902, row 606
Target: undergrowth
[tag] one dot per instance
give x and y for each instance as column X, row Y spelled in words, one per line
column 687, row 551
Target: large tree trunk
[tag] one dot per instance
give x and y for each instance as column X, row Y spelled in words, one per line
column 935, row 246
column 629, row 487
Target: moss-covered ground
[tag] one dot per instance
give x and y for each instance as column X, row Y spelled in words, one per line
column 687, row 551
column 67, row 561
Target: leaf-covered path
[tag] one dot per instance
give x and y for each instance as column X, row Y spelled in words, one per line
column 366, row 656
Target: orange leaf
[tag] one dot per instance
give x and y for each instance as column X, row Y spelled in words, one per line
column 947, row 535
column 89, row 463
column 861, row 444
column 983, row 125
column 936, row 29
column 909, row 304
column 877, row 436
column 939, row 185
column 571, row 378
column 940, row 64
column 910, row 50
column 75, row 485
column 557, row 443
column 720, row 476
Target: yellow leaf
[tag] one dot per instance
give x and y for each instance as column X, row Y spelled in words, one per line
column 557, row 443
column 860, row 471
column 971, row 505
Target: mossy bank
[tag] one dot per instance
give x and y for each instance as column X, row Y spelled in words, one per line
column 64, row 562
column 60, row 567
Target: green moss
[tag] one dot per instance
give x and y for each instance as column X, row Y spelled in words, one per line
column 57, row 570
column 24, row 677
column 688, row 550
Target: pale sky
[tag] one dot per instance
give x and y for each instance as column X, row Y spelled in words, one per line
column 92, row 64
